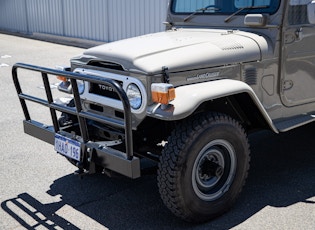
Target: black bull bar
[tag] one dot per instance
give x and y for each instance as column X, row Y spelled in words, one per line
column 122, row 162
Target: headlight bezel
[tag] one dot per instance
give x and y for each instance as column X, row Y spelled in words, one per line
column 124, row 81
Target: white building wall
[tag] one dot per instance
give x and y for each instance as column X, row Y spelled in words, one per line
column 100, row 20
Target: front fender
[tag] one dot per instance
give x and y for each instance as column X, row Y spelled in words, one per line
column 190, row 97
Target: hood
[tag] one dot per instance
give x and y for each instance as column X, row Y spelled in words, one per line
column 181, row 50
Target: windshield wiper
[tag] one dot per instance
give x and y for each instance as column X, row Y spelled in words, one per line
column 212, row 7
column 244, row 8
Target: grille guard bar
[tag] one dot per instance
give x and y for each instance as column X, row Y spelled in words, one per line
column 113, row 159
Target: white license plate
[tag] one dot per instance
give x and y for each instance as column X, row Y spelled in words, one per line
column 68, row 147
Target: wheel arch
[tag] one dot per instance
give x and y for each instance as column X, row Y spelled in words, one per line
column 232, row 97
column 240, row 107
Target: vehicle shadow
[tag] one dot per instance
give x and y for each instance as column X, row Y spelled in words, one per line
column 281, row 174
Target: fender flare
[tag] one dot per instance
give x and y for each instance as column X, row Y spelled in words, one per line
column 190, row 97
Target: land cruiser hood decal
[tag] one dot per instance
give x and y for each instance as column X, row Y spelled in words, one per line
column 181, row 50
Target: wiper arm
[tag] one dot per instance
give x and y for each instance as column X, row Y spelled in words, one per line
column 213, row 7
column 243, row 8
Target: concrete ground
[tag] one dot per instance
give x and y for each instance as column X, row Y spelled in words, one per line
column 39, row 191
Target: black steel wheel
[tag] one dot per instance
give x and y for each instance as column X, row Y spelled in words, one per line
column 203, row 167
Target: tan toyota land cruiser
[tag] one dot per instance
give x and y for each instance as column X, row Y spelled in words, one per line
column 185, row 98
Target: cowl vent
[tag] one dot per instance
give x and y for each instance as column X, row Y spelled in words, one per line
column 232, row 46
column 227, row 44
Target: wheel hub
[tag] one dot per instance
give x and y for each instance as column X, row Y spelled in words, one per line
column 210, row 168
column 214, row 170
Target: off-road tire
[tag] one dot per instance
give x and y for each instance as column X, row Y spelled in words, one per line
column 203, row 167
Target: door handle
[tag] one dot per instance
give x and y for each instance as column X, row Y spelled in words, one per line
column 299, row 34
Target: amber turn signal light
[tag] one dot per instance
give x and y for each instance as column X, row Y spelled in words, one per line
column 162, row 93
column 61, row 78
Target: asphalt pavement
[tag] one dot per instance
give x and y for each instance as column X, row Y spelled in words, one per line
column 38, row 189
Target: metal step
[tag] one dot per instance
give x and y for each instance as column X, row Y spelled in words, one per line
column 294, row 122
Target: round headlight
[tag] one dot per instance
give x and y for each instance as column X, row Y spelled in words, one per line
column 134, row 96
column 80, row 86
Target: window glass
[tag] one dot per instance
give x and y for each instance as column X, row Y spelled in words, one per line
column 249, row 3
column 191, row 6
column 224, row 6
column 299, row 2
column 298, row 12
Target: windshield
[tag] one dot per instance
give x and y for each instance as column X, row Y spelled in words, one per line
column 225, row 7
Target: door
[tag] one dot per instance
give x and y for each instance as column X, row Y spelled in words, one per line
column 298, row 58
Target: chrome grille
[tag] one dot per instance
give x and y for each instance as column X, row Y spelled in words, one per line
column 104, row 90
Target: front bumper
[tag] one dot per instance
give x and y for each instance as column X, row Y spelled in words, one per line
column 124, row 163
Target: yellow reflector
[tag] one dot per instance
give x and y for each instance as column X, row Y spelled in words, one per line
column 162, row 93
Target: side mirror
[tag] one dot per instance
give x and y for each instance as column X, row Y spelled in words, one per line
column 255, row 20
column 311, row 12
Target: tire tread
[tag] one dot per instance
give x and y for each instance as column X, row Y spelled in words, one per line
column 171, row 160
